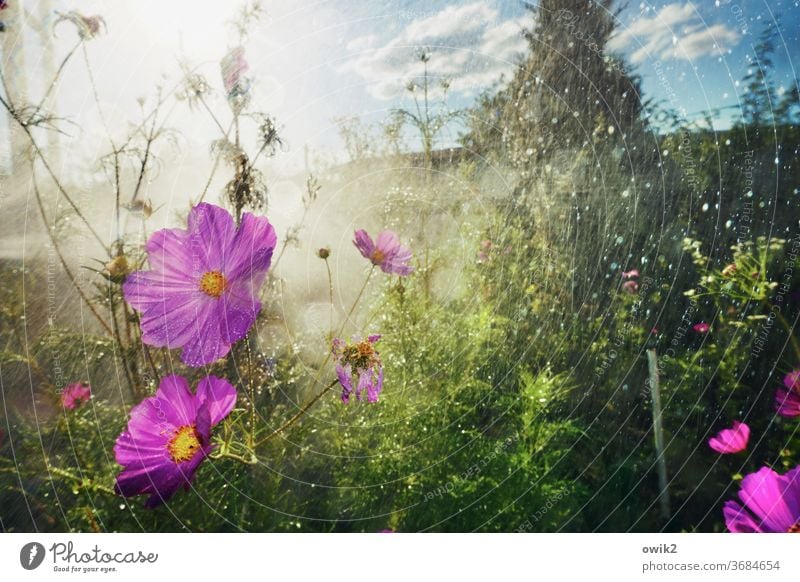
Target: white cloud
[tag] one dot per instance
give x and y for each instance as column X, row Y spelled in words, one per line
column 468, row 46
column 676, row 32
column 452, row 21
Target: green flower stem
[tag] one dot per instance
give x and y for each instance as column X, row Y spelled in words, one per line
column 325, row 390
column 298, row 415
column 792, row 338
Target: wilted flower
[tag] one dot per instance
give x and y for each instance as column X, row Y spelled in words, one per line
column 770, row 503
column 201, row 293
column 630, row 274
column 169, row 435
column 75, row 394
column 788, row 401
column 233, row 66
column 731, row 440
column 630, row 287
column 729, row 270
column 88, row 26
column 361, row 360
column 118, row 268
column 701, row 327
column 142, row 207
column 386, row 252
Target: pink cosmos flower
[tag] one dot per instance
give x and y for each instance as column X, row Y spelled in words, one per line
column 788, row 401
column 630, row 287
column 201, row 292
column 731, row 440
column 169, row 435
column 630, row 274
column 359, row 359
column 75, row 394
column 386, row 252
column 701, row 327
column 770, row 503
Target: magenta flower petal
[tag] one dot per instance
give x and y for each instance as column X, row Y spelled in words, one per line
column 364, row 244
column 208, row 344
column 202, row 423
column 129, row 451
column 701, row 327
column 170, row 316
column 168, row 436
column 159, row 480
column 731, row 440
column 174, row 395
column 792, row 381
column 169, row 255
column 738, row 519
column 772, row 500
column 375, row 385
column 218, row 395
column 252, row 251
column 238, row 313
column 212, row 231
column 364, row 382
column 787, row 403
column 344, row 375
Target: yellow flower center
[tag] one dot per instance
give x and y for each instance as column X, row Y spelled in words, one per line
column 184, row 443
column 213, row 284
column 377, row 257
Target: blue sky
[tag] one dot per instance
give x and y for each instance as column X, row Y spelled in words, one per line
column 703, row 48
column 313, row 61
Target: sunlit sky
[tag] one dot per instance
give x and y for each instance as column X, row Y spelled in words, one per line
column 314, row 61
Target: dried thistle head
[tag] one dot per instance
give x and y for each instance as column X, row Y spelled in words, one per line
column 193, row 88
column 249, row 13
column 248, row 189
column 268, row 139
column 312, row 190
column 227, row 150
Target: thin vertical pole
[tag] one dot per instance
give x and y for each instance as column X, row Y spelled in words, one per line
column 658, row 433
column 13, row 65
